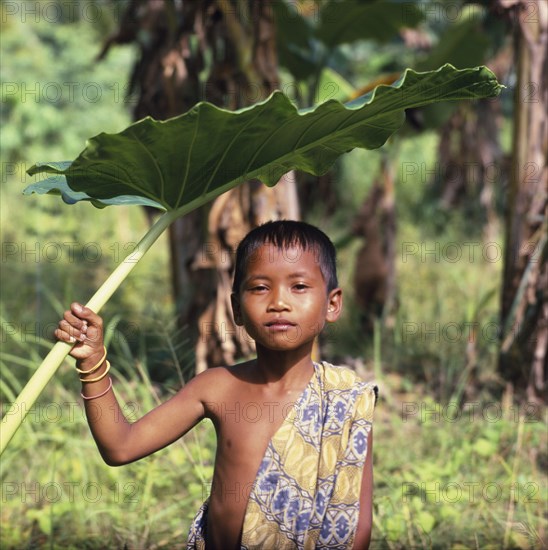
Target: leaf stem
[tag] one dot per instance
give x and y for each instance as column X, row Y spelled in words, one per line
column 15, row 415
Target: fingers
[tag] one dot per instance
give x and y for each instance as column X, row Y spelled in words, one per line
column 81, row 324
column 75, row 322
column 69, row 333
column 86, row 314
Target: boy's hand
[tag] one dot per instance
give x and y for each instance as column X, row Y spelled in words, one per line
column 80, row 325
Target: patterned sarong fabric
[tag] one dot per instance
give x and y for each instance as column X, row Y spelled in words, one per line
column 306, row 492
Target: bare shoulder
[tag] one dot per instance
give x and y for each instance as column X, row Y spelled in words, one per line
column 224, row 385
column 208, row 381
column 217, row 382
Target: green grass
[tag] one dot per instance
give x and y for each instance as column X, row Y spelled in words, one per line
column 443, row 479
column 449, row 476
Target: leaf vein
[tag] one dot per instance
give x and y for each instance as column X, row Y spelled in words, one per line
column 156, row 165
column 261, row 147
column 307, row 129
column 190, row 149
column 227, row 149
column 117, row 180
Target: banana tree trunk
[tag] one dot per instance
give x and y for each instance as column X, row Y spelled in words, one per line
column 524, row 308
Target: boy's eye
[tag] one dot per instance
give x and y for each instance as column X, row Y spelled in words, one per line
column 258, row 288
column 300, row 286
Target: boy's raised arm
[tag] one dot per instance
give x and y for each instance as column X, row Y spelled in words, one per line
column 118, row 440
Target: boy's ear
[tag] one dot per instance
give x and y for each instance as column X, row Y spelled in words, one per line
column 236, row 311
column 334, row 305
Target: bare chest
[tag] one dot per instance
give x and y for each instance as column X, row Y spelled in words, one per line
column 246, row 426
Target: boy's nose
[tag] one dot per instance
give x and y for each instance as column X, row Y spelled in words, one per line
column 278, row 301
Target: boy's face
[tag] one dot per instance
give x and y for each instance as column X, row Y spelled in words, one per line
column 283, row 301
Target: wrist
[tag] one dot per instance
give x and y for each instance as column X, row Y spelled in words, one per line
column 99, row 373
column 92, row 361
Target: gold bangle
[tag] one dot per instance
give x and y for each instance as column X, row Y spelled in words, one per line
column 100, row 377
column 100, row 394
column 95, row 367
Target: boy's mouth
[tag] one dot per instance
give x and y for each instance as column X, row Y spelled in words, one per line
column 280, row 324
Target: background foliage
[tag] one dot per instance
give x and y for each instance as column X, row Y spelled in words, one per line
column 55, row 490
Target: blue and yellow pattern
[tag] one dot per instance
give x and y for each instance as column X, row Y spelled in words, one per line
column 306, row 493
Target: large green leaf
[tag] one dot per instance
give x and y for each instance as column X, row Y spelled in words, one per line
column 190, row 159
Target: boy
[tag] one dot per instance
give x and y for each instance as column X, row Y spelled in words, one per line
column 294, row 437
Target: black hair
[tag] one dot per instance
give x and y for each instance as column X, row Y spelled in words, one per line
column 284, row 234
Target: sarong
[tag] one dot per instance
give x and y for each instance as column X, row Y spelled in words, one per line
column 307, row 489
